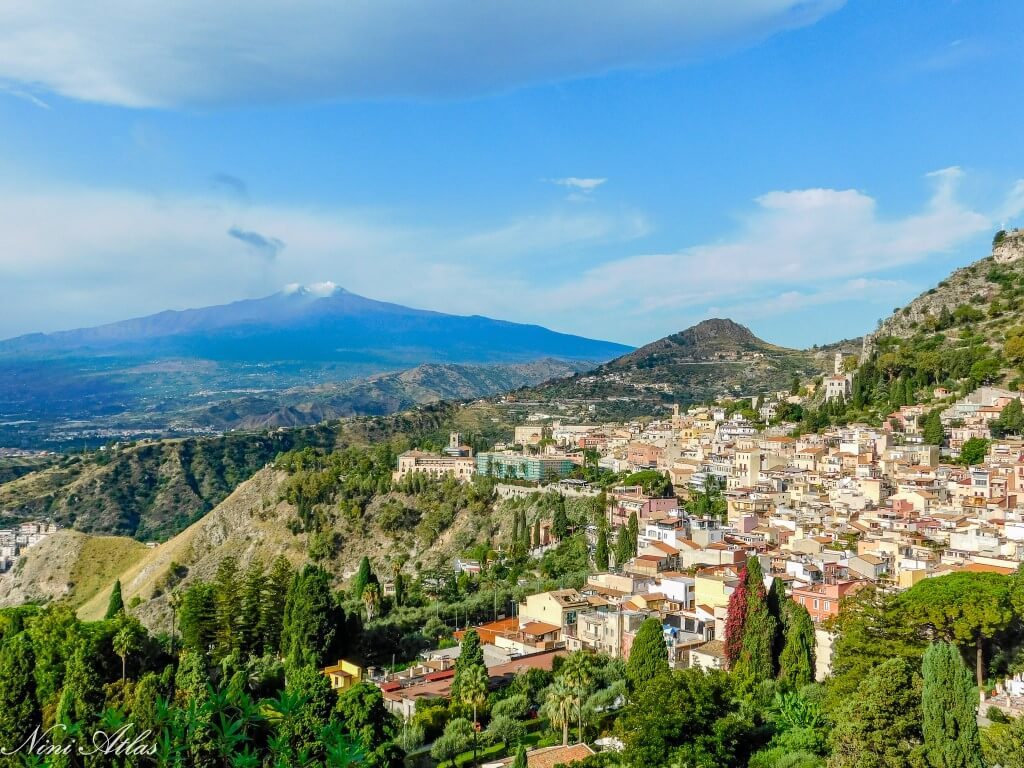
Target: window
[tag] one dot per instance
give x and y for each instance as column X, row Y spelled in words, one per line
column 815, row 603
column 828, row 605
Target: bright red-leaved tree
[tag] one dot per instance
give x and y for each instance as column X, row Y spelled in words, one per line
column 736, row 620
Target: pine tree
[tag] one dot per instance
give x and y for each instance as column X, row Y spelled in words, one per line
column 250, row 619
column 949, row 702
column 197, row 617
column 648, row 657
column 82, row 694
column 796, row 661
column 227, row 593
column 601, row 550
column 116, row 603
column 272, row 609
column 19, row 709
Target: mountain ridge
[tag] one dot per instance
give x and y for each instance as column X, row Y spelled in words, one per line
column 717, row 356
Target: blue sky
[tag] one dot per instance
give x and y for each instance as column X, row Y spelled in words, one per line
column 618, row 170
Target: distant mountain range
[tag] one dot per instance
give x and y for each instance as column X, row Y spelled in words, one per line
column 300, row 324
column 287, row 359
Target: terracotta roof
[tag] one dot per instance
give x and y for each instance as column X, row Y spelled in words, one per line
column 548, row 757
column 711, row 648
column 986, row 568
column 539, row 628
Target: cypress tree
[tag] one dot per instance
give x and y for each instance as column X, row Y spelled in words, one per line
column 524, row 531
column 471, row 656
column 949, row 702
column 520, row 761
column 796, row 660
column 755, row 662
column 116, row 603
column 778, row 608
column 362, row 578
column 623, row 551
column 648, row 656
column 560, row 520
column 601, row 550
column 515, row 529
column 19, row 709
column 536, row 532
column 313, row 620
column 634, row 534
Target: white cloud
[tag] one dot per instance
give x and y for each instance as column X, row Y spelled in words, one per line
column 802, row 237
column 583, row 185
column 196, row 52
column 122, row 254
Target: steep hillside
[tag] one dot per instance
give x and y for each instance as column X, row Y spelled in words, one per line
column 69, row 566
column 967, row 330
column 712, row 358
column 422, row 528
column 154, row 490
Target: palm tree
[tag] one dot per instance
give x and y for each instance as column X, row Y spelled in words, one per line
column 473, row 693
column 371, row 600
column 559, row 702
column 578, row 674
column 127, row 640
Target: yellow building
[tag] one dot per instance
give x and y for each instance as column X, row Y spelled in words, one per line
column 344, row 675
column 559, row 607
column 712, row 586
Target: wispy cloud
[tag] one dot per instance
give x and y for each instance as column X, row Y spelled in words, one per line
column 261, row 245
column 24, row 94
column 581, row 188
column 245, row 51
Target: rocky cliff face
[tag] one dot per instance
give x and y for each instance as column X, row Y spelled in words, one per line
column 977, row 285
column 1009, row 248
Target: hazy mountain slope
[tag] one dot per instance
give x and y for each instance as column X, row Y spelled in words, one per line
column 161, row 375
column 381, row 394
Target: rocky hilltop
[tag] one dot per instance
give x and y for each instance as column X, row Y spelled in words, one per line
column 715, row 357
column 984, row 298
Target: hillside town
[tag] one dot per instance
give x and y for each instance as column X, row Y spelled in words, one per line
column 826, row 514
